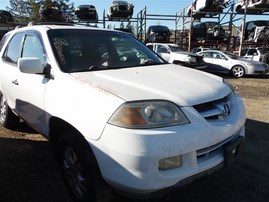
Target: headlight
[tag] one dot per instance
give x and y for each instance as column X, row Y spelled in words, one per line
column 250, row 64
column 190, row 59
column 148, row 114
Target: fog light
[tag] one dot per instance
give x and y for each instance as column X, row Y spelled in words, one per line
column 170, row 163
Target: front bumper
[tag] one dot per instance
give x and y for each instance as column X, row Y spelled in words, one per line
column 129, row 159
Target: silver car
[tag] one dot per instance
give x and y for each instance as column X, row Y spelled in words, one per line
column 226, row 62
column 252, row 6
column 201, row 8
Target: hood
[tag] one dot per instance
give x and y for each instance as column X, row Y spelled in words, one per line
column 244, row 61
column 183, row 86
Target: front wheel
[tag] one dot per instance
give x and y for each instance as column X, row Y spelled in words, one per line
column 238, row 71
column 80, row 169
column 7, row 118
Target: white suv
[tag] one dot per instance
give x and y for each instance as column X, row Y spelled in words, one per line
column 116, row 113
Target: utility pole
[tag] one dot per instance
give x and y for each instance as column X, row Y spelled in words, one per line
column 190, row 32
column 243, row 28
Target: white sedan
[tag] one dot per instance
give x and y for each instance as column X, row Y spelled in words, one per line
column 226, row 62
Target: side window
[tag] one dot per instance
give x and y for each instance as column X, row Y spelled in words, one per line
column 208, row 55
column 32, row 47
column 12, row 53
column 161, row 49
column 252, row 51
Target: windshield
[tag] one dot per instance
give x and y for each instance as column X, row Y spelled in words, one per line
column 264, row 50
column 232, row 56
column 78, row 50
column 176, row 48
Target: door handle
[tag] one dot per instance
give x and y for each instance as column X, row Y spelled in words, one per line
column 15, row 82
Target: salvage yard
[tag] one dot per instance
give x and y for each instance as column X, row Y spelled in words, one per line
column 28, row 171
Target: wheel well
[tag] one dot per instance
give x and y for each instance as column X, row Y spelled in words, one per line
column 238, row 66
column 57, row 127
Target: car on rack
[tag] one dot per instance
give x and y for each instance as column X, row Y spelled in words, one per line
column 252, row 6
column 175, row 54
column 6, row 22
column 52, row 12
column 6, row 17
column 87, row 13
column 225, row 62
column 202, row 8
column 209, row 30
column 255, row 31
column 120, row 10
column 158, row 33
column 116, row 114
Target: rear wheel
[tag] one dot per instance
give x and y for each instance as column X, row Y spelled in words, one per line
column 80, row 169
column 238, row 71
column 7, row 118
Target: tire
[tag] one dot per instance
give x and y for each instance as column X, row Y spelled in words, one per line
column 238, row 71
column 80, row 169
column 7, row 118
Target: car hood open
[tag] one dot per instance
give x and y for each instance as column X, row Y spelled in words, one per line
column 184, row 86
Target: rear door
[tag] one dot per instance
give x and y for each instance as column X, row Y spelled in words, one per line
column 8, row 69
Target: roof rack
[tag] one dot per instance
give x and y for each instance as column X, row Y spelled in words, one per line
column 49, row 23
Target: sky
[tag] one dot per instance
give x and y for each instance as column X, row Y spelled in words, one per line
column 157, row 7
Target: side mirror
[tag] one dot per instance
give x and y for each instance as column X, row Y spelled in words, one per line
column 30, row 65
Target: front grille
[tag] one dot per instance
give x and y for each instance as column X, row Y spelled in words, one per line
column 207, row 152
column 215, row 109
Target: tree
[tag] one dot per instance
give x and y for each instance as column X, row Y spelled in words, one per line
column 21, row 10
column 25, row 11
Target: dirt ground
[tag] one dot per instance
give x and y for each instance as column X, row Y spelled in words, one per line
column 29, row 173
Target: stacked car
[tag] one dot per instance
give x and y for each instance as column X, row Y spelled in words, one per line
column 201, row 8
column 252, row 6
column 120, row 10
column 87, row 13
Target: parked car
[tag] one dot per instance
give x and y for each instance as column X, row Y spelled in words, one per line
column 225, row 62
column 252, row 6
column 87, row 13
column 116, row 114
column 120, row 10
column 198, row 49
column 158, row 33
column 201, row 8
column 258, row 54
column 5, row 17
column 172, row 53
